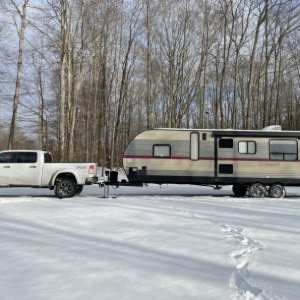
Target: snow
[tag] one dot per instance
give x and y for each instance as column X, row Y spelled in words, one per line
column 169, row 242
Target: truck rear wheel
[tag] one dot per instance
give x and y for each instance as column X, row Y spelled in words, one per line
column 257, row 190
column 277, row 191
column 79, row 189
column 65, row 188
column 239, row 189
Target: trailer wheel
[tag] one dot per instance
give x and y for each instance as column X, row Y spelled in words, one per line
column 65, row 188
column 239, row 189
column 277, row 191
column 257, row 190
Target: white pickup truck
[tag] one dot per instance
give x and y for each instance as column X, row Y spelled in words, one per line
column 36, row 169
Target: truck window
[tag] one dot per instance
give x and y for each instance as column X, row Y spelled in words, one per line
column 283, row 149
column 162, row 151
column 6, row 157
column 247, row 147
column 47, row 158
column 26, row 157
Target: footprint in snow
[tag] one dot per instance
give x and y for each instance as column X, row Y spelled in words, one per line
column 242, row 258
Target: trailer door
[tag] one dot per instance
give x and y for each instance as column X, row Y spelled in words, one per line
column 224, row 157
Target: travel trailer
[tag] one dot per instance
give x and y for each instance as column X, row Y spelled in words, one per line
column 257, row 162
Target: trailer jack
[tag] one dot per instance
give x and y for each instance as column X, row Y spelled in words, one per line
column 112, row 180
column 217, row 187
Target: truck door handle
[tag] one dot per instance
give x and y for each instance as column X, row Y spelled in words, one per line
column 6, row 167
column 32, row 167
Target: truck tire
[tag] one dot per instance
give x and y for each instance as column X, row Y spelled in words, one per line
column 65, row 188
column 239, row 189
column 277, row 191
column 257, row 190
column 79, row 189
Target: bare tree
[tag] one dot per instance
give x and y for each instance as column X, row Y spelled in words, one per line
column 127, row 65
column 263, row 10
column 115, row 68
column 21, row 13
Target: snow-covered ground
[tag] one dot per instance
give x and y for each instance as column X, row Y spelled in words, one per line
column 173, row 242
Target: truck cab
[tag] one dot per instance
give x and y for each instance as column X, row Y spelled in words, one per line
column 22, row 168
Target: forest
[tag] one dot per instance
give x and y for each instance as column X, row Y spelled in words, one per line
column 81, row 78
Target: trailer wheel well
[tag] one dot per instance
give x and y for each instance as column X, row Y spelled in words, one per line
column 277, row 182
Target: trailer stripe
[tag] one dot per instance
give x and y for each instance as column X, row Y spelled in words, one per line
column 207, row 158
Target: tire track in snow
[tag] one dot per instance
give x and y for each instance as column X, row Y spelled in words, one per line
column 245, row 254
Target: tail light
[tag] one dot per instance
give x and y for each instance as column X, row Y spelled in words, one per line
column 91, row 169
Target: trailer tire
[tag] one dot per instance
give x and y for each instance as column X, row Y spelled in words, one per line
column 239, row 189
column 257, row 190
column 65, row 188
column 277, row 191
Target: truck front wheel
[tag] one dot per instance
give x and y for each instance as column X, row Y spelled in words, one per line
column 65, row 188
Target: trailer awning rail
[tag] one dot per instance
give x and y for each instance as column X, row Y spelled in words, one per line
column 262, row 134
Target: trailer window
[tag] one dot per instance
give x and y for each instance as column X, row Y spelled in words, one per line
column 225, row 143
column 247, row 147
column 162, row 151
column 283, row 149
column 194, row 151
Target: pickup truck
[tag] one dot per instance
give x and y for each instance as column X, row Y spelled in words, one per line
column 20, row 168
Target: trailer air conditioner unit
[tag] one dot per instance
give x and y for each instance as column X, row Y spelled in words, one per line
column 272, row 128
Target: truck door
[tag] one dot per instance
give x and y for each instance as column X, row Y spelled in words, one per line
column 225, row 157
column 24, row 172
column 6, row 159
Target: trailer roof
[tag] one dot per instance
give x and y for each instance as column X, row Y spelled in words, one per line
column 240, row 133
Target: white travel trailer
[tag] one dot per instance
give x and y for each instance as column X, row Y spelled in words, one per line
column 260, row 162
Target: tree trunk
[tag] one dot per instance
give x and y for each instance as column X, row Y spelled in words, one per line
column 21, row 33
column 260, row 21
column 62, row 99
column 148, row 93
